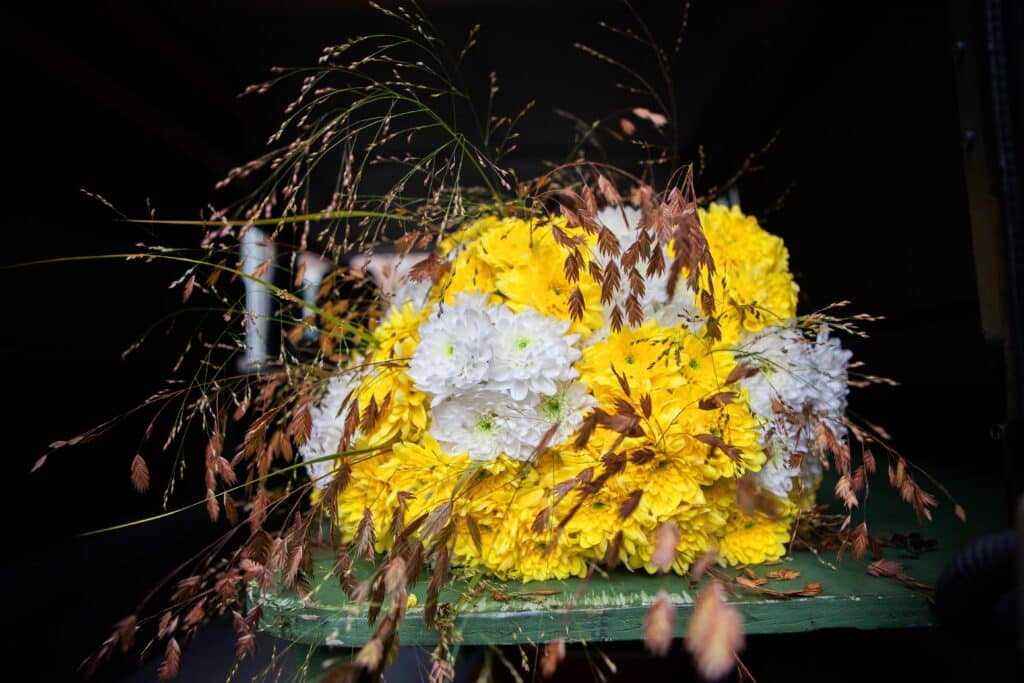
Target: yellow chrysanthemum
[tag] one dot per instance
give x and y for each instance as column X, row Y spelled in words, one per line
column 754, row 287
column 672, row 443
column 755, row 538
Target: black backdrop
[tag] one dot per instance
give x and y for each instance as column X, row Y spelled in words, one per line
column 138, row 104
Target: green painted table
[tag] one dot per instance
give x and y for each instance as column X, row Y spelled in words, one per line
column 613, row 607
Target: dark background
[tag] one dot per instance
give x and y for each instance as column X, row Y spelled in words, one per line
column 137, row 102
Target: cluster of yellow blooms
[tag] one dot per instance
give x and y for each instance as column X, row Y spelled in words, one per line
column 550, row 515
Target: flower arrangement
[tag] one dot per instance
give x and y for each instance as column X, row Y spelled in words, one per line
column 586, row 370
column 557, row 388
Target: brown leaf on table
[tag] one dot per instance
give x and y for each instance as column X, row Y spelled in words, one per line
column 885, row 568
column 140, row 474
column 554, row 653
column 715, row 633
column 808, row 591
column 666, row 538
column 172, row 661
column 659, row 624
column 782, row 574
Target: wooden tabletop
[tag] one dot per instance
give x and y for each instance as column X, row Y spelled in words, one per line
column 613, row 606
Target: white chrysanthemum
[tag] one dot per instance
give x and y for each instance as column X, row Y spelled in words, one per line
column 531, row 352
column 808, row 379
column 805, row 376
column 455, row 348
column 328, row 425
column 481, row 423
column 564, row 407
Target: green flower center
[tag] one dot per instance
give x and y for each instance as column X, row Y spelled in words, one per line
column 522, row 343
column 485, row 424
column 552, row 407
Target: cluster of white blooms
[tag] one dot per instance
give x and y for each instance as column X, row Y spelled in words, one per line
column 327, row 427
column 499, row 381
column 808, row 378
column 669, row 311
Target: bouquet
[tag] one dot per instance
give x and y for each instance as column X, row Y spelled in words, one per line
column 560, row 390
column 587, row 370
